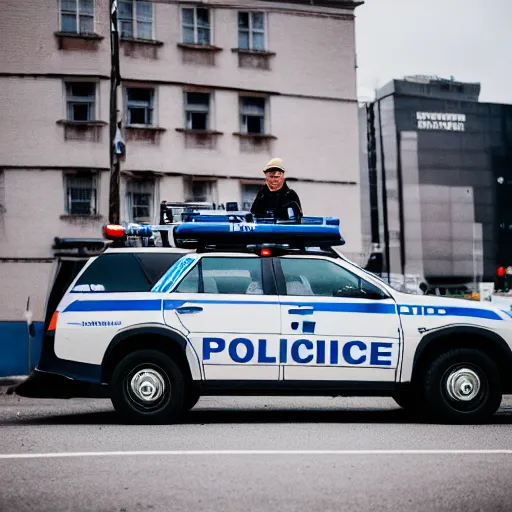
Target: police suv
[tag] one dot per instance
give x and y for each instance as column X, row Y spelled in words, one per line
column 229, row 306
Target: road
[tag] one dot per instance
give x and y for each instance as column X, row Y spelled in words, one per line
column 251, row 454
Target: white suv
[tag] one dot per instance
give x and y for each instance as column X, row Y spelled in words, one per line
column 156, row 328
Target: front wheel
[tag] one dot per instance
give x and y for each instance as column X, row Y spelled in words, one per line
column 148, row 387
column 463, row 386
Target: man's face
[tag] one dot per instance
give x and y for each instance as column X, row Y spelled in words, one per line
column 274, row 179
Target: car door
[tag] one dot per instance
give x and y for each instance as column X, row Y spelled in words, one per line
column 229, row 306
column 336, row 326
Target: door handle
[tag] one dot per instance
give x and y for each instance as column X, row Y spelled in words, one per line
column 185, row 310
column 302, row 310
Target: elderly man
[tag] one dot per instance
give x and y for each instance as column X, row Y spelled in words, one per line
column 275, row 199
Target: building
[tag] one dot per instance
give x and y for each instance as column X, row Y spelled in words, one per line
column 210, row 92
column 440, row 180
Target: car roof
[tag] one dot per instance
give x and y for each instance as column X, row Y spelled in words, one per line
column 122, row 250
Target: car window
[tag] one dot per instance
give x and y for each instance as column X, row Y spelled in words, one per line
column 125, row 272
column 323, row 278
column 190, row 283
column 156, row 264
column 232, row 275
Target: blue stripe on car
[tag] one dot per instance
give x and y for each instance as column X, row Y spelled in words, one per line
column 335, row 307
column 416, row 310
column 115, row 305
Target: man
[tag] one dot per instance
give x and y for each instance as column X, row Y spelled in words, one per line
column 275, row 199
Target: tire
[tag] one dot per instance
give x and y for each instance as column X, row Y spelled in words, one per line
column 158, row 396
column 191, row 399
column 462, row 386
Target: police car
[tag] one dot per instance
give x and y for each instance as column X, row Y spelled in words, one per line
column 235, row 307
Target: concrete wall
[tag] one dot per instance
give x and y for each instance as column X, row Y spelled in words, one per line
column 31, row 108
column 449, row 231
column 314, row 47
column 35, row 213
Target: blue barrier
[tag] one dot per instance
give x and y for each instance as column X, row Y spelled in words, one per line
column 14, row 348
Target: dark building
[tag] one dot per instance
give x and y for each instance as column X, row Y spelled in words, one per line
column 439, row 180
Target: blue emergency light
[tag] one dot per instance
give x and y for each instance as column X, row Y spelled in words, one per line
column 324, row 231
column 216, row 217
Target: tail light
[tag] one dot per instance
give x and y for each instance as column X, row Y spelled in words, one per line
column 53, row 322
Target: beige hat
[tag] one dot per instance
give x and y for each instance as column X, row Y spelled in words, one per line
column 275, row 163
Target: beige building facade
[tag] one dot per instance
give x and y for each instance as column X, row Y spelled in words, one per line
column 209, row 93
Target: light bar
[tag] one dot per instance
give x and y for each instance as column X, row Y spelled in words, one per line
column 220, row 229
column 195, row 234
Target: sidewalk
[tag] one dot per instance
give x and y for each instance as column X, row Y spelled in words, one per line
column 7, row 384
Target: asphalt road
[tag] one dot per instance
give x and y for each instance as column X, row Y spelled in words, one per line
column 245, row 454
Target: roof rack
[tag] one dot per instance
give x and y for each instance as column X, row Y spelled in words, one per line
column 182, row 211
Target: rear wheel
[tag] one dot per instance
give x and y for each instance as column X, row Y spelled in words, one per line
column 462, row 386
column 148, row 387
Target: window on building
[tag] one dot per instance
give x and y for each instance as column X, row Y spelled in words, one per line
column 140, row 105
column 139, row 199
column 196, row 25
column 201, row 191
column 81, row 101
column 77, row 16
column 135, row 19
column 81, row 194
column 249, row 193
column 197, row 110
column 252, row 115
column 251, row 30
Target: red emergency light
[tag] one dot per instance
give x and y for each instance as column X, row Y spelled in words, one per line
column 265, row 252
column 113, row 231
column 501, row 271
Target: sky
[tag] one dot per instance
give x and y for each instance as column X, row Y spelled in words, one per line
column 470, row 40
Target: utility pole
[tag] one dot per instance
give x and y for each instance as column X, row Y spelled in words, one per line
column 115, row 80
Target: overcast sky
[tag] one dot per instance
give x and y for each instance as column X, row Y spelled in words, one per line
column 469, row 39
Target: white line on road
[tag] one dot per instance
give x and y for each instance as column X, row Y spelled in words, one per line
column 248, row 452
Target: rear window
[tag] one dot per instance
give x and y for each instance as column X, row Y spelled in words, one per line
column 125, row 272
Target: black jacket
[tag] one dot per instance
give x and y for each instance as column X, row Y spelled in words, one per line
column 276, row 204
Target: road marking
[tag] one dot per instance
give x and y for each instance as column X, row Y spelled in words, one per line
column 56, row 455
